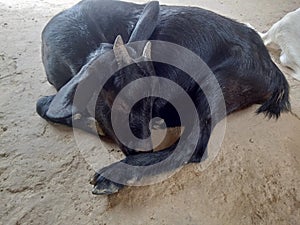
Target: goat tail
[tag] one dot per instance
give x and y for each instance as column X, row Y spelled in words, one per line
column 278, row 100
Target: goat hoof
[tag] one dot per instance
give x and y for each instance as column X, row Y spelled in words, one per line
column 103, row 186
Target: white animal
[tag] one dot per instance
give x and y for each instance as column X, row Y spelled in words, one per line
column 286, row 34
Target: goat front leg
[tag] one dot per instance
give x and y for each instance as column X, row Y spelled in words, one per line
column 141, row 168
column 130, row 171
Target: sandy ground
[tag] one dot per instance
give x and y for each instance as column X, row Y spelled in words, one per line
column 44, row 177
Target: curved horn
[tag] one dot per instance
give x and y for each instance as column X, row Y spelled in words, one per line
column 121, row 53
column 147, row 50
column 118, row 42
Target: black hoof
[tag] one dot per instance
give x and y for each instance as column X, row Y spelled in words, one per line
column 103, row 186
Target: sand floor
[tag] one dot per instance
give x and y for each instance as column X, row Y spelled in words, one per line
column 44, row 177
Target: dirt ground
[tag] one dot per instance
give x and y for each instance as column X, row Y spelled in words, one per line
column 44, row 177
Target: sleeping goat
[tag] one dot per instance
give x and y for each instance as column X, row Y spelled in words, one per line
column 77, row 42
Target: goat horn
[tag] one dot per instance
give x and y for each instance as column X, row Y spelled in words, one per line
column 121, row 53
column 147, row 50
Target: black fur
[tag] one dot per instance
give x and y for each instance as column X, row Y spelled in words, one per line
column 76, row 38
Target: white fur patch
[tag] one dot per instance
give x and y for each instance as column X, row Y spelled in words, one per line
column 286, row 34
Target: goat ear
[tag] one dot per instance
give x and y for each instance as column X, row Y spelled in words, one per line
column 147, row 51
column 61, row 105
column 146, row 23
column 121, row 53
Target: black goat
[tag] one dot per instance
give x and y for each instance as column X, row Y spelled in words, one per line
column 76, row 43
